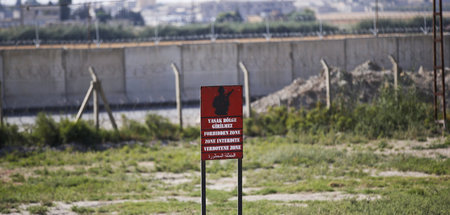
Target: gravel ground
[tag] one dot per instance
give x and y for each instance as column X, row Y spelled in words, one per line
column 191, row 116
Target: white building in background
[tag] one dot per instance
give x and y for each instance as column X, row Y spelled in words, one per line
column 247, row 8
column 142, row 4
column 42, row 14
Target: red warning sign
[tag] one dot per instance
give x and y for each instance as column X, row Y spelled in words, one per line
column 221, row 122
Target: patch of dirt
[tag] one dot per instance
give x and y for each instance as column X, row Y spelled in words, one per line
column 61, row 208
column 147, row 164
column 229, row 184
column 360, row 85
column 409, row 147
column 174, row 178
column 393, row 173
column 4, row 174
column 298, row 205
column 324, row 196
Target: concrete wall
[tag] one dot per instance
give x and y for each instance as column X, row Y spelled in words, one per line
column 269, row 65
column 56, row 77
column 207, row 64
column 307, row 55
column 375, row 49
column 149, row 76
column 109, row 66
column 33, row 78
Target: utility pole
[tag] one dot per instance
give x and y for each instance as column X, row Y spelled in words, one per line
column 213, row 35
column 37, row 41
column 320, row 33
column 89, row 25
column 267, row 35
column 157, row 39
column 97, row 34
column 375, row 20
column 424, row 28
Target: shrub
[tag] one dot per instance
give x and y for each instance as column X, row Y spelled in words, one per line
column 190, row 133
column 133, row 130
column 10, row 135
column 46, row 131
column 79, row 132
column 385, row 117
column 160, row 128
column 271, row 123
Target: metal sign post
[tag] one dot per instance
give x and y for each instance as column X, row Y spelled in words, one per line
column 221, row 131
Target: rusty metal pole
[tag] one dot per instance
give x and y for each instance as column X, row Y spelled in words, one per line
column 434, row 62
column 438, row 37
column 1, row 105
column 441, row 24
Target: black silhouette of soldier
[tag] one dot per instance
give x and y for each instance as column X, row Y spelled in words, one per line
column 222, row 102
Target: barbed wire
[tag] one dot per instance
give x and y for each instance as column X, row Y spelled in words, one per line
column 404, row 30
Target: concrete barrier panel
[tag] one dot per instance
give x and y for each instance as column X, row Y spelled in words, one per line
column 269, row 66
column 207, row 64
column 415, row 52
column 33, row 78
column 375, row 49
column 149, row 76
column 109, row 66
column 307, row 55
column 446, row 51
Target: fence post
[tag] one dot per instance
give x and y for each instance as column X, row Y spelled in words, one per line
column 95, row 97
column 247, row 89
column 85, row 101
column 178, row 94
column 96, row 89
column 326, row 69
column 395, row 70
column 1, row 105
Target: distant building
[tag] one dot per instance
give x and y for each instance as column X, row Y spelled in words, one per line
column 211, row 9
column 41, row 14
column 142, row 4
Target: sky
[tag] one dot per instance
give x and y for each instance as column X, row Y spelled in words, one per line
column 9, row 2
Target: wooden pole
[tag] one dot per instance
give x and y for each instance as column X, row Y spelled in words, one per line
column 327, row 81
column 96, row 89
column 107, row 107
column 99, row 89
column 96, row 121
column 85, row 101
column 178, row 94
column 247, row 89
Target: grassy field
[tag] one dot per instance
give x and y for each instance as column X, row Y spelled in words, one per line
column 282, row 175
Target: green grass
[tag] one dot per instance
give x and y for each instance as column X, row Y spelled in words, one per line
column 274, row 165
column 82, row 210
column 38, row 209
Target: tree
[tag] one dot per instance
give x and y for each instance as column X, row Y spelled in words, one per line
column 135, row 18
column 81, row 12
column 229, row 17
column 64, row 9
column 102, row 15
column 305, row 15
